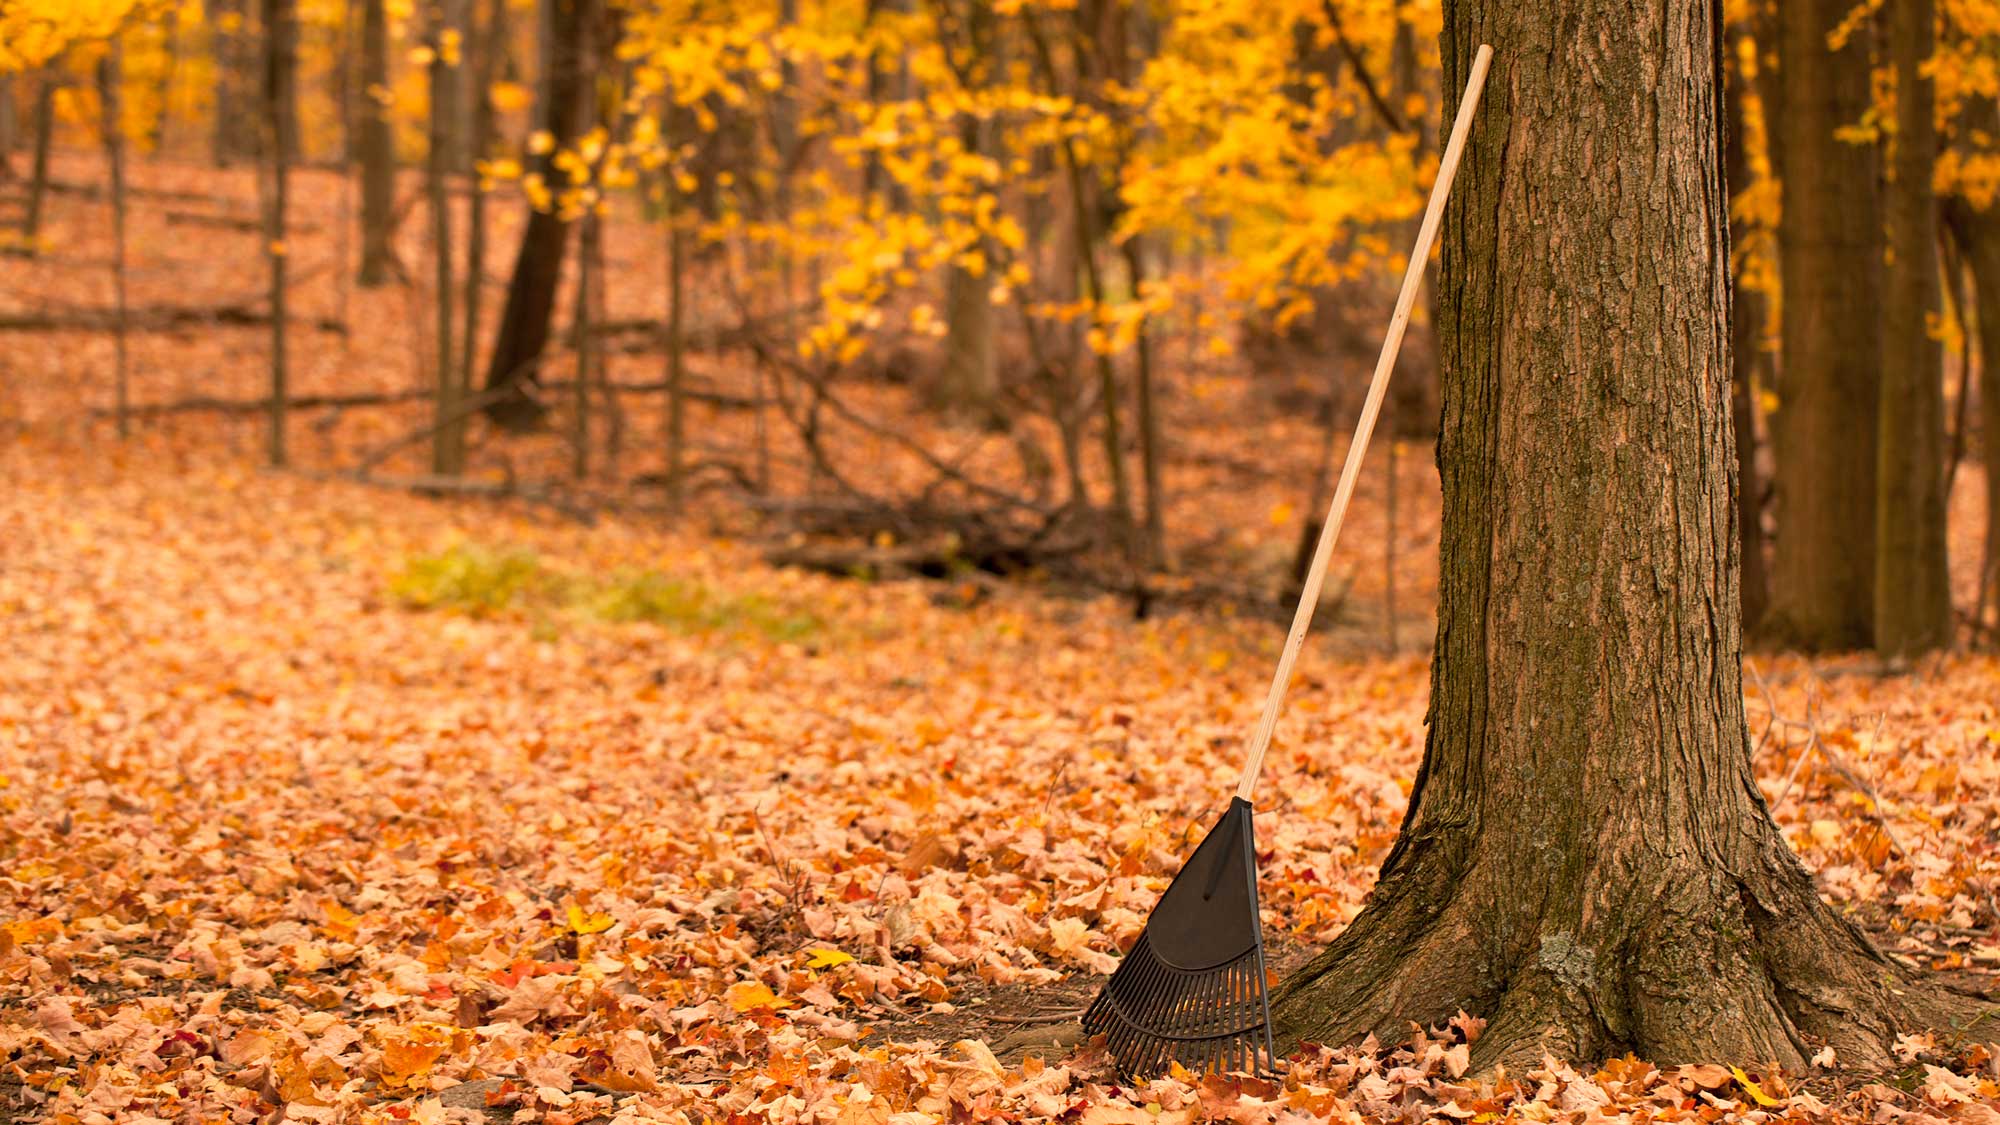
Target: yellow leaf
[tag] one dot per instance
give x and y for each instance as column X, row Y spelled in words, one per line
column 409, row 1052
column 828, row 958
column 1752, row 1088
column 341, row 923
column 582, row 923
column 749, row 995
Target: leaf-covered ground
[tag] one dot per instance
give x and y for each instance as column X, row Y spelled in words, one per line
column 320, row 803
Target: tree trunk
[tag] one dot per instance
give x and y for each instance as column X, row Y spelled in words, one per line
column 1083, row 205
column 240, row 112
column 1587, row 861
column 1746, row 365
column 492, row 41
column 109, row 76
column 1829, row 388
column 163, row 83
column 378, row 150
column 1912, row 587
column 8, row 127
column 1977, row 233
column 587, row 376
column 676, row 338
column 278, row 122
column 971, row 384
column 1989, row 397
column 512, row 369
column 448, row 443
column 38, row 182
column 1146, row 394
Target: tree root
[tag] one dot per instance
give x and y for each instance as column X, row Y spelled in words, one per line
column 1703, row 966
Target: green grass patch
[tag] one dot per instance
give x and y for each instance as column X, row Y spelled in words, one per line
column 469, row 579
column 480, row 582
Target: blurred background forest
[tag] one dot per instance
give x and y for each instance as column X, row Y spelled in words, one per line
column 1080, row 291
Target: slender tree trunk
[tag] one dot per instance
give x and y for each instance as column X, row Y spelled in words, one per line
column 1147, row 401
column 1951, row 268
column 163, row 89
column 874, row 178
column 1747, row 367
column 38, row 182
column 1989, row 397
column 1588, row 649
column 1085, row 234
column 109, row 77
column 1912, row 584
column 378, row 150
column 461, row 93
column 1978, row 235
column 512, row 368
column 225, row 22
column 586, row 351
column 9, row 127
column 971, row 385
column 277, row 99
column 240, row 113
column 491, row 42
column 1829, row 389
column 676, row 342
column 448, row 443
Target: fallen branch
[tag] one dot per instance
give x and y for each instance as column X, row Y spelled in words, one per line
column 157, row 318
column 251, row 224
column 214, row 405
column 1814, row 742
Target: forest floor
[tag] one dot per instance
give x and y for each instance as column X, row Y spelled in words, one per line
column 318, row 796
column 322, row 801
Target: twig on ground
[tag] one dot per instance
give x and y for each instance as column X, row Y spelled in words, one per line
column 1848, row 773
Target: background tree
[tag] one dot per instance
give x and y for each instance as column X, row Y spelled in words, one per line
column 513, row 364
column 1588, row 656
column 1829, row 389
column 1749, row 364
column 377, row 145
column 280, row 64
column 1912, row 588
column 448, row 445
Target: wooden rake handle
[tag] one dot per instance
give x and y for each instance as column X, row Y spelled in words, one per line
column 1358, row 448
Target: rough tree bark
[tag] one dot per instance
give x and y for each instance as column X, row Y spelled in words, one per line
column 1587, row 861
column 531, row 295
column 378, row 151
column 1912, row 587
column 1830, row 264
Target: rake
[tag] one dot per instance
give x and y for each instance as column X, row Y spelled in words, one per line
column 1192, row 990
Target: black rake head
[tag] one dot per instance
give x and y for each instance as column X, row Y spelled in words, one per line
column 1192, row 989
